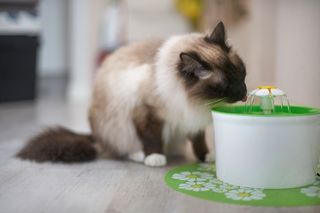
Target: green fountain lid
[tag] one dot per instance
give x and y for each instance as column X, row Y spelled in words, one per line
column 255, row 110
column 267, row 97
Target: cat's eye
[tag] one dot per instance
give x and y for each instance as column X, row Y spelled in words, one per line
column 203, row 73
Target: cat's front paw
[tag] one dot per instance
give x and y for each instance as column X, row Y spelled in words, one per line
column 155, row 159
column 209, row 158
column 137, row 156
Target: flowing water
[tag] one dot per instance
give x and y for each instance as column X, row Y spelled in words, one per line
column 267, row 104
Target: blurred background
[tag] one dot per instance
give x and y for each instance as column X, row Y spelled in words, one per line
column 53, row 47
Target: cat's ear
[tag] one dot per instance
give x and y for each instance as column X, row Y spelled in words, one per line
column 190, row 62
column 218, row 35
column 191, row 65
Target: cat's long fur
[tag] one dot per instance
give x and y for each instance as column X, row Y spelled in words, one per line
column 154, row 93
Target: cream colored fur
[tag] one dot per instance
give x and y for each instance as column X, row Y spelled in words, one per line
column 126, row 81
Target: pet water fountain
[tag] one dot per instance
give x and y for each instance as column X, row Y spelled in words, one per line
column 267, row 143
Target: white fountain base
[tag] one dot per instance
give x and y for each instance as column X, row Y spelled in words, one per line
column 266, row 152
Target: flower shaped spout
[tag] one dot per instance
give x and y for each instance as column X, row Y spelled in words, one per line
column 267, row 95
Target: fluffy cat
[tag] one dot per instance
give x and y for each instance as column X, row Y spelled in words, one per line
column 148, row 95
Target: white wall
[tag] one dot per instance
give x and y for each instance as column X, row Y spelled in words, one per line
column 154, row 19
column 280, row 43
column 53, row 58
column 298, row 50
column 279, row 40
column 145, row 19
column 253, row 38
column 84, row 17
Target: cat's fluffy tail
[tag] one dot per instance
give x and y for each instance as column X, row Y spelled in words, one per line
column 59, row 145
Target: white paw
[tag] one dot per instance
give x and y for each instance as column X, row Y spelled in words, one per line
column 155, row 159
column 209, row 157
column 137, row 156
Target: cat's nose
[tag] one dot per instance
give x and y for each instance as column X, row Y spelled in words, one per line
column 238, row 92
column 243, row 92
column 244, row 99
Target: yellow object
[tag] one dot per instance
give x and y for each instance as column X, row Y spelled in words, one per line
column 267, row 87
column 191, row 9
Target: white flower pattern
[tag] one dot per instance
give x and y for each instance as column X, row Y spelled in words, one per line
column 209, row 167
column 224, row 187
column 317, row 182
column 192, row 176
column 245, row 194
column 215, row 181
column 311, row 191
column 202, row 179
column 196, row 186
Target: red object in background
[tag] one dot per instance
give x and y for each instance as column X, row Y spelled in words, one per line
column 113, row 32
column 101, row 56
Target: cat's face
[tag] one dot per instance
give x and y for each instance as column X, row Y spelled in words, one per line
column 210, row 69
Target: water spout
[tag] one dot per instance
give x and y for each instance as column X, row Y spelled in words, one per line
column 268, row 97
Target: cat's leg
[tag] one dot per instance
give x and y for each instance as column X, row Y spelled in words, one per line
column 200, row 147
column 149, row 129
column 174, row 142
column 137, row 156
column 114, row 128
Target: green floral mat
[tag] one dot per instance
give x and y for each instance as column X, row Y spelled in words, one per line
column 199, row 180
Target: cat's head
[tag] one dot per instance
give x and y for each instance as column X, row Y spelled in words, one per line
column 210, row 69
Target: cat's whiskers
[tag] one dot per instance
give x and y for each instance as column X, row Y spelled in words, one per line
column 212, row 103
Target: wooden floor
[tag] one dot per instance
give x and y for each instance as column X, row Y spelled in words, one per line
column 100, row 186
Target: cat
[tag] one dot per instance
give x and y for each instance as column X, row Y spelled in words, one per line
column 148, row 95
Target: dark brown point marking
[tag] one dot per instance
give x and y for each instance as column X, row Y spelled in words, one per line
column 59, row 145
column 210, row 70
column 218, row 37
column 199, row 145
column 149, row 129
